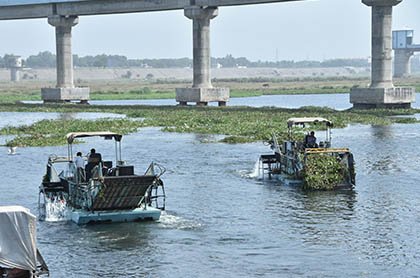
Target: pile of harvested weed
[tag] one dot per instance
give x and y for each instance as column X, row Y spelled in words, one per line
column 323, row 172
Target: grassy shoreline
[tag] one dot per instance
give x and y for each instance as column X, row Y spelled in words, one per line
column 138, row 89
column 239, row 124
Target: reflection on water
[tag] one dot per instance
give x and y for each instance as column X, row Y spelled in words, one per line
column 382, row 132
column 387, row 160
column 384, row 164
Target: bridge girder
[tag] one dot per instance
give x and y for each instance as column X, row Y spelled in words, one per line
column 97, row 7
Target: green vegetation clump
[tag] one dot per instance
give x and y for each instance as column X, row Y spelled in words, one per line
column 239, row 124
column 36, row 140
column 52, row 132
column 323, row 172
column 405, row 120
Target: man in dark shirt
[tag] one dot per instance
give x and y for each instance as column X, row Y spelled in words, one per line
column 310, row 140
column 93, row 160
column 94, row 157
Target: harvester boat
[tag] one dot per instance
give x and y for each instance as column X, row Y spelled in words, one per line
column 102, row 191
column 290, row 161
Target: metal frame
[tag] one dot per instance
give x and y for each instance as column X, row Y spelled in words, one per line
column 117, row 138
column 302, row 121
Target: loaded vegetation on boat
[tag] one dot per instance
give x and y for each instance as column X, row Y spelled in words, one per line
column 323, row 172
column 238, row 124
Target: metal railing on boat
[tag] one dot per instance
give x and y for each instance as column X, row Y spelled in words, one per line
column 326, row 150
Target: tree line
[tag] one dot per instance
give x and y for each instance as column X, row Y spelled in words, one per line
column 47, row 59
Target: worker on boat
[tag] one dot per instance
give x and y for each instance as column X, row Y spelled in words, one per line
column 94, row 157
column 93, row 160
column 310, row 140
column 80, row 166
column 78, row 161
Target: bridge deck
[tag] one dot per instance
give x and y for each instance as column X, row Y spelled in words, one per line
column 415, row 47
column 20, row 9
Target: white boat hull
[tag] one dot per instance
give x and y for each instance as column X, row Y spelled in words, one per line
column 83, row 217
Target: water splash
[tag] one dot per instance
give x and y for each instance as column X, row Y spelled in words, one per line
column 257, row 172
column 55, row 210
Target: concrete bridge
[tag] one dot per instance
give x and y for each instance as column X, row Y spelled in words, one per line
column 63, row 15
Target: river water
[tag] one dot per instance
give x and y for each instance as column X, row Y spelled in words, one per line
column 336, row 101
column 221, row 222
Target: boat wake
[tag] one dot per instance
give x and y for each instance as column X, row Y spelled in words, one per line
column 175, row 222
column 55, row 210
column 256, row 172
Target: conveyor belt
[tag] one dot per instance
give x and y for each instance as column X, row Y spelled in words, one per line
column 123, row 192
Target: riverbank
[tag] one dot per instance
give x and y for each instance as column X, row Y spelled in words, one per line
column 132, row 89
column 237, row 124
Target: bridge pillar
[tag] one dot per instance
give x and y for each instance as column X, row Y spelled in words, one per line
column 14, row 63
column 382, row 93
column 65, row 90
column 14, row 74
column 402, row 67
column 202, row 91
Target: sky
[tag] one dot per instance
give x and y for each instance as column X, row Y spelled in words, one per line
column 305, row 30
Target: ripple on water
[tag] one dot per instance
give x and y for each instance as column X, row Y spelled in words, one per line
column 170, row 221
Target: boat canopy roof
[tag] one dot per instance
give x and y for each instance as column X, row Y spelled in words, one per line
column 18, row 238
column 108, row 135
column 299, row 121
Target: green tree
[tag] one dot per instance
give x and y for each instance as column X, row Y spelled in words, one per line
column 43, row 60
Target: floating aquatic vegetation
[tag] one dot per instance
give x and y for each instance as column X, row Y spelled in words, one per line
column 52, row 132
column 256, row 124
column 36, row 140
column 408, row 120
column 236, row 140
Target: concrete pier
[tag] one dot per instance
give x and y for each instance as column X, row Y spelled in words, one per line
column 65, row 90
column 382, row 93
column 14, row 63
column 202, row 90
column 14, row 74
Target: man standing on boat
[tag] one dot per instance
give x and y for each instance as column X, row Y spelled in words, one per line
column 80, row 165
column 78, row 161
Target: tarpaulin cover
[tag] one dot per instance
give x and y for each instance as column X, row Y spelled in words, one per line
column 17, row 238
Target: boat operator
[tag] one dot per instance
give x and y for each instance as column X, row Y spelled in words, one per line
column 94, row 157
column 310, row 140
column 93, row 160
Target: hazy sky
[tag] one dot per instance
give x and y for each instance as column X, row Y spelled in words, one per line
column 296, row 30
